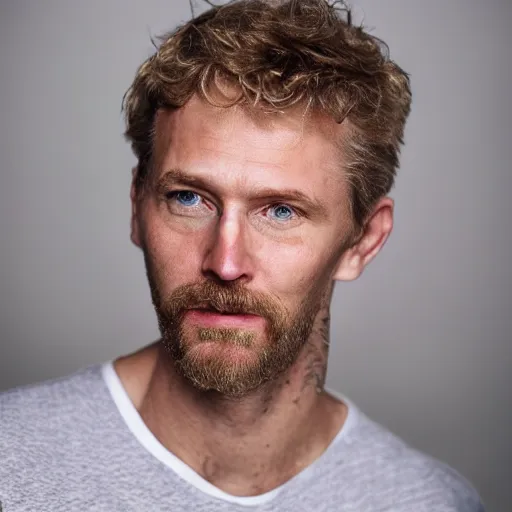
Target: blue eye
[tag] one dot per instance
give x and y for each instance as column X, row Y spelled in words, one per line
column 187, row 198
column 282, row 212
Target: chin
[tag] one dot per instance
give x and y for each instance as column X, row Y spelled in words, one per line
column 229, row 369
column 222, row 353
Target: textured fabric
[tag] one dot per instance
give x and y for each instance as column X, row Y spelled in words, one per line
column 74, row 444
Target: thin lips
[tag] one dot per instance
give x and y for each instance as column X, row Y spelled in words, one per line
column 221, row 311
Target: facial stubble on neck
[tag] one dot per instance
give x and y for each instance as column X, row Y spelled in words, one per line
column 263, row 360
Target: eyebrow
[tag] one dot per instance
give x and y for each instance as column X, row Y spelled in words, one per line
column 312, row 207
column 174, row 176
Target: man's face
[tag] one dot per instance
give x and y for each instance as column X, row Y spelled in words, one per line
column 242, row 225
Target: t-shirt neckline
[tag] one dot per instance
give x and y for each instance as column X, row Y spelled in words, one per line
column 145, row 437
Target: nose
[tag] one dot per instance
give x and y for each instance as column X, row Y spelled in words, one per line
column 228, row 256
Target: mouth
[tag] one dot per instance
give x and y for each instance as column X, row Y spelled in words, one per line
column 209, row 317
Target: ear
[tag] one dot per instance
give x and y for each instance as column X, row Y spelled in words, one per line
column 134, row 222
column 376, row 231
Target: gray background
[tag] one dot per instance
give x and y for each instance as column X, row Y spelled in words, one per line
column 421, row 342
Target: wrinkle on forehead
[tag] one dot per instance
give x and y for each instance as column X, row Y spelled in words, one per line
column 222, row 124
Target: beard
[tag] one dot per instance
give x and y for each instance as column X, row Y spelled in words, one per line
column 236, row 360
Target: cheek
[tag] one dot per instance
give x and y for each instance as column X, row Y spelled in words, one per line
column 293, row 272
column 173, row 255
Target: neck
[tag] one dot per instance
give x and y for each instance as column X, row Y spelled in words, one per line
column 244, row 446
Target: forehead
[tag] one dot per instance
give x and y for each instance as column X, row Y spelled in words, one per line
column 249, row 145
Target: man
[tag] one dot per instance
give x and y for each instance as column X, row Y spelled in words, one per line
column 267, row 137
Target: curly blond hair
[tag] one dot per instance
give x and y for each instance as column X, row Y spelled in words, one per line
column 281, row 54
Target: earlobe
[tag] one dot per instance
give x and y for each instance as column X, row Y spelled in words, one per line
column 350, row 265
column 376, row 231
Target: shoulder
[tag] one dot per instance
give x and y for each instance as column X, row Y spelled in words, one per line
column 36, row 413
column 54, row 438
column 42, row 399
column 401, row 478
column 46, row 429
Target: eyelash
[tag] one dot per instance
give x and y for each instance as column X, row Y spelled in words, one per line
column 171, row 195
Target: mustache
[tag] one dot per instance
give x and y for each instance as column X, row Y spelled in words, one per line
column 234, row 299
